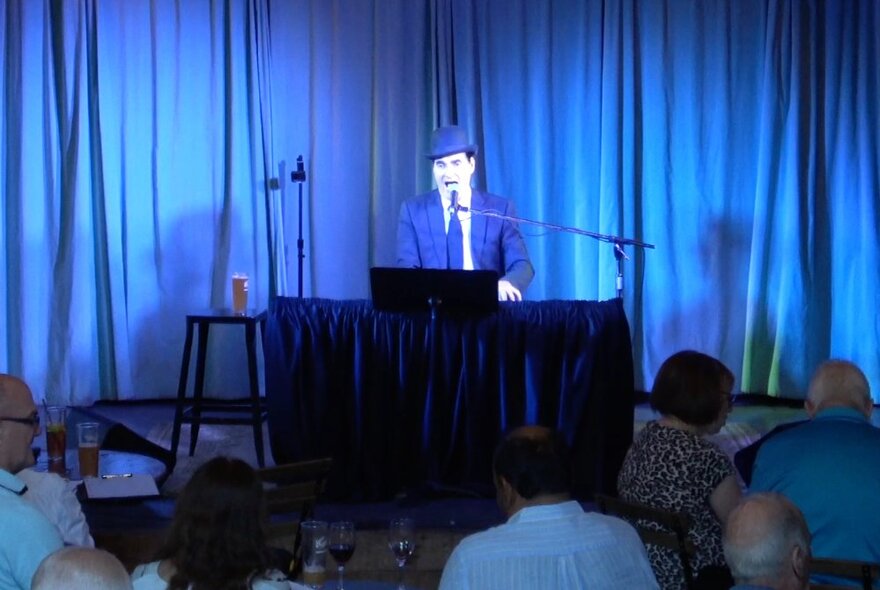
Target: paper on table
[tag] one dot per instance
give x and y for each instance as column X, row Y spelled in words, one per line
column 121, row 486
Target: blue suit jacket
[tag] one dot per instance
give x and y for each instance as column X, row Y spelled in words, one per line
column 496, row 244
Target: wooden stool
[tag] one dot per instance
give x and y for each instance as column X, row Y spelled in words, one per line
column 252, row 411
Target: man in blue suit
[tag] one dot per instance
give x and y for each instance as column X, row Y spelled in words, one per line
column 445, row 228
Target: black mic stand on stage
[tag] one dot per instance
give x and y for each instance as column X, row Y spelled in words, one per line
column 618, row 242
column 299, row 176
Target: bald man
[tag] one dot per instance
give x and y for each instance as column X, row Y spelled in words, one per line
column 548, row 541
column 48, row 492
column 26, row 536
column 81, row 568
column 767, row 544
column 829, row 466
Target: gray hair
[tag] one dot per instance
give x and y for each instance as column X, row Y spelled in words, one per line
column 839, row 383
column 81, row 568
column 760, row 535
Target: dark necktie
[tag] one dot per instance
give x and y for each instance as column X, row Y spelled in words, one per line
column 454, row 254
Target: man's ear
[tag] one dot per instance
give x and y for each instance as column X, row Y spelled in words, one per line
column 810, row 407
column 800, row 562
column 506, row 493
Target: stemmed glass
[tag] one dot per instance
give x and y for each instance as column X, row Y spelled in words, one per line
column 341, row 546
column 402, row 542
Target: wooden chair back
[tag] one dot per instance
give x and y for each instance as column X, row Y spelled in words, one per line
column 672, row 533
column 866, row 573
column 291, row 491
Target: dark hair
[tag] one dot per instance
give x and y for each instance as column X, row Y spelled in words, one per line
column 534, row 461
column 690, row 386
column 218, row 538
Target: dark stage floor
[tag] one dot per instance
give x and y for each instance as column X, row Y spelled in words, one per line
column 434, row 508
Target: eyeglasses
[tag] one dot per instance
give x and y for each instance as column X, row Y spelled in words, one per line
column 33, row 421
column 730, row 397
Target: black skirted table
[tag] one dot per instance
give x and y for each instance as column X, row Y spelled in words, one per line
column 347, row 381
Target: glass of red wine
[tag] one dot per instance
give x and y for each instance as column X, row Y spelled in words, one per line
column 341, row 546
column 402, row 542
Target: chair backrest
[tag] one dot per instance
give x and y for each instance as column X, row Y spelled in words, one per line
column 866, row 573
column 672, row 533
column 291, row 492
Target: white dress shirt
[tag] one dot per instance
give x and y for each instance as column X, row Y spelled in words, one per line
column 552, row 547
column 55, row 498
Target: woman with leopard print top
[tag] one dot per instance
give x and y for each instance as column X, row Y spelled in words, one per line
column 671, row 466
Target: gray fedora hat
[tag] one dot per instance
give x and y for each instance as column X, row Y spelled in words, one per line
column 448, row 140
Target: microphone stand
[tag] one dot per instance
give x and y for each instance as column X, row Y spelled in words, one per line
column 618, row 242
column 299, row 176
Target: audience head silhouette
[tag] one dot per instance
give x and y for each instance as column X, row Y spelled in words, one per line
column 217, row 538
column 532, row 465
column 694, row 388
column 839, row 383
column 767, row 543
column 81, row 568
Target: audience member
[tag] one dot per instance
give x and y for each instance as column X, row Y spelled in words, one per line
column 81, row 568
column 217, row 539
column 26, row 537
column 829, row 465
column 56, row 499
column 767, row 544
column 672, row 467
column 548, row 541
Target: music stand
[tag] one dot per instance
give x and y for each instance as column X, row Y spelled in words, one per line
column 428, row 289
column 455, row 293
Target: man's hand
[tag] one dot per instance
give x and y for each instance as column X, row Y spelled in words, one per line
column 507, row 292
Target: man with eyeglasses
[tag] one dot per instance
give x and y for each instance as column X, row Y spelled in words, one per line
column 26, row 536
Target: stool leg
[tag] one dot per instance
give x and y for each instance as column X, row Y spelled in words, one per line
column 181, row 388
column 200, row 387
column 256, row 407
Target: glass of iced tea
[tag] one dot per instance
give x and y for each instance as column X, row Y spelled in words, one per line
column 56, row 438
column 88, row 448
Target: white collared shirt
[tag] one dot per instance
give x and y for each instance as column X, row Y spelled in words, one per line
column 465, row 218
column 56, row 499
column 551, row 547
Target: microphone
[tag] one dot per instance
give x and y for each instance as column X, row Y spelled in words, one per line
column 299, row 175
column 453, row 195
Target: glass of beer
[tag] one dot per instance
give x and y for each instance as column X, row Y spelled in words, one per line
column 239, row 292
column 88, row 448
column 56, row 438
column 314, row 545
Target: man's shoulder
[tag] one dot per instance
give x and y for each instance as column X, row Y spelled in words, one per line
column 561, row 518
column 422, row 199
column 825, row 428
column 38, row 481
column 489, row 200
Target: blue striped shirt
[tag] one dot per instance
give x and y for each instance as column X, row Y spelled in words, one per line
column 556, row 546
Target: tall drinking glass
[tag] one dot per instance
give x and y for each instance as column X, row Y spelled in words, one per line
column 341, row 546
column 56, row 438
column 89, row 444
column 314, row 547
column 402, row 542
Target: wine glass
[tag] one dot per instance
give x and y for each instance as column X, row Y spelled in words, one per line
column 402, row 542
column 341, row 546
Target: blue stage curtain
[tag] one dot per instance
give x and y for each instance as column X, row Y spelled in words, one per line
column 139, row 140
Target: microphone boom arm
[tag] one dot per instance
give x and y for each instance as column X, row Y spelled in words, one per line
column 618, row 242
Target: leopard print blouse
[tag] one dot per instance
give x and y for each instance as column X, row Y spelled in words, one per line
column 675, row 470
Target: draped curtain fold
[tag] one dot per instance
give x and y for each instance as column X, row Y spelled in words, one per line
column 146, row 147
